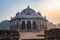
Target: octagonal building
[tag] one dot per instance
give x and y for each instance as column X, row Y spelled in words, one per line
column 28, row 20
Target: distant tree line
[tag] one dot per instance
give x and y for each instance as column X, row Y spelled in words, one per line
column 5, row 24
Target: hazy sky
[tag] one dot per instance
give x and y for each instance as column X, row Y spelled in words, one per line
column 48, row 8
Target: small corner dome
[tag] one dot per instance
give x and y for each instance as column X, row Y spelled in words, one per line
column 39, row 13
column 28, row 10
column 17, row 13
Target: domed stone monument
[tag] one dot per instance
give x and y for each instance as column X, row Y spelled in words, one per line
column 28, row 20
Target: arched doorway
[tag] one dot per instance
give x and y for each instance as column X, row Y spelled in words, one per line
column 28, row 24
column 34, row 25
column 23, row 25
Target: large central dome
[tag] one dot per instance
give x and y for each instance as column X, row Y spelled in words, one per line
column 27, row 11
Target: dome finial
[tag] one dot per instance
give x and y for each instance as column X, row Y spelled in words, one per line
column 28, row 6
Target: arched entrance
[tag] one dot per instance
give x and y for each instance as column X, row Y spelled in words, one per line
column 23, row 25
column 28, row 25
column 34, row 25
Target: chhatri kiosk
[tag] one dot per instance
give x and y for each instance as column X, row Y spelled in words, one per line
column 30, row 23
